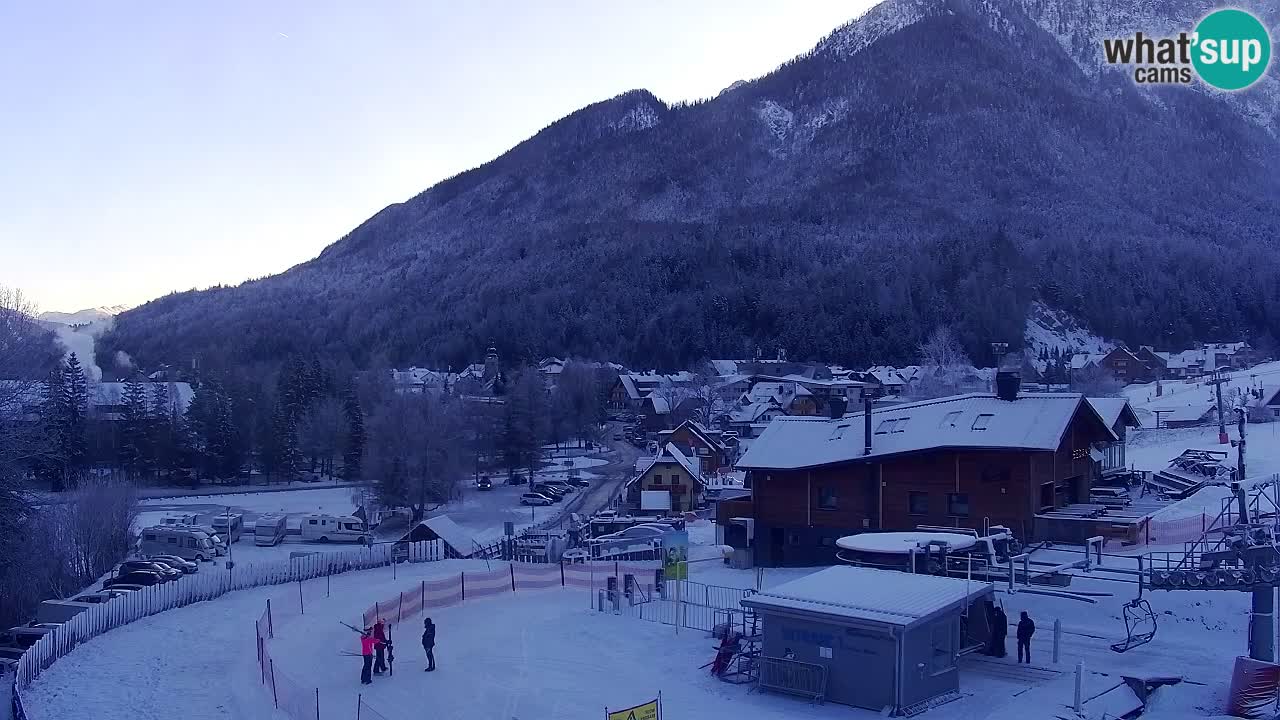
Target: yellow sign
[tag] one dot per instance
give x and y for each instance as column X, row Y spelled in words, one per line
column 647, row 711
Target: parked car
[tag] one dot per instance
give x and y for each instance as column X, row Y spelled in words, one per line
column 95, row 598
column 176, row 563
column 560, row 485
column 124, row 588
column 579, row 482
column 555, row 494
column 11, row 653
column 534, row 498
column 141, row 578
column 165, row 570
column 484, row 483
column 23, row 637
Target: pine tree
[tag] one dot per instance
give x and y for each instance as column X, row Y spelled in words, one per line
column 135, row 456
column 75, row 407
column 51, row 466
column 353, row 451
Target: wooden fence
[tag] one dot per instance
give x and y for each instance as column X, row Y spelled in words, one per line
column 208, row 584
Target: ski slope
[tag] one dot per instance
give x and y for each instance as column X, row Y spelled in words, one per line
column 547, row 654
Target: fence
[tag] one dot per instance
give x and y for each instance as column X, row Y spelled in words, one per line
column 185, row 591
column 303, row 703
column 1171, row 532
column 794, row 677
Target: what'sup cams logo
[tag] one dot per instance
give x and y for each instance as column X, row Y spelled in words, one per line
column 1229, row 50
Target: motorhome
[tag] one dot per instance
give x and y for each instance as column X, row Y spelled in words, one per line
column 268, row 530
column 179, row 519
column 330, row 528
column 186, row 542
column 229, row 525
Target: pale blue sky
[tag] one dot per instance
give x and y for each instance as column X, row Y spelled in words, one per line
column 156, row 146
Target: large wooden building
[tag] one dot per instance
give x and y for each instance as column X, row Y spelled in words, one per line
column 964, row 461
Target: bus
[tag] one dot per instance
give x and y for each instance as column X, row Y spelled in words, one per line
column 269, row 530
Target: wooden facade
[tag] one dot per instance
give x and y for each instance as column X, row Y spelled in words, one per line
column 709, row 451
column 800, row 513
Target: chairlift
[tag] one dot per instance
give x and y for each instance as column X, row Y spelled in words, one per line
column 1139, row 625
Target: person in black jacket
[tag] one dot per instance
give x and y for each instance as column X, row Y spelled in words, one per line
column 1026, row 628
column 429, row 643
column 380, row 634
column 999, row 630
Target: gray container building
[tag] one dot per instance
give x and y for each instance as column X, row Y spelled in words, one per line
column 873, row 639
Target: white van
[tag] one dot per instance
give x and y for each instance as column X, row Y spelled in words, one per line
column 329, row 528
column 187, row 543
column 229, row 526
column 179, row 519
column 269, row 530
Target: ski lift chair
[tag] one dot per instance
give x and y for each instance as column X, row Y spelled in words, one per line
column 1139, row 625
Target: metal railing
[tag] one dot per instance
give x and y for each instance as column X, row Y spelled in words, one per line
column 793, row 677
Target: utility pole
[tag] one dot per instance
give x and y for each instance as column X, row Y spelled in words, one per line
column 1216, row 382
column 1240, row 423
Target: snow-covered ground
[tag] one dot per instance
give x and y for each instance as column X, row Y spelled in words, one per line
column 1179, row 394
column 546, row 654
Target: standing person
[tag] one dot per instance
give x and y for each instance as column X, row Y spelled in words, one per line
column 366, row 651
column 380, row 634
column 999, row 631
column 429, row 643
column 1026, row 628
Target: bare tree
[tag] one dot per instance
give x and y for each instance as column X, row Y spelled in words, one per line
column 943, row 364
column 416, row 452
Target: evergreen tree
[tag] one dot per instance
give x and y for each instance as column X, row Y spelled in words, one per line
column 51, row 465
column 134, row 453
column 353, row 451
column 75, row 406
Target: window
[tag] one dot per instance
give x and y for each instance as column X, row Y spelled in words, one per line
column 892, row 425
column 657, row 479
column 943, row 643
column 312, row 521
column 949, row 420
column 918, row 503
column 173, row 541
column 958, row 504
column 826, row 498
column 982, row 422
column 838, row 433
column 149, row 537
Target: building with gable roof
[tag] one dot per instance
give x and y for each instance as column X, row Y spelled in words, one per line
column 966, row 461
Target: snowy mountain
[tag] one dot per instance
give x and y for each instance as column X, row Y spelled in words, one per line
column 83, row 317
column 1048, row 329
column 840, row 207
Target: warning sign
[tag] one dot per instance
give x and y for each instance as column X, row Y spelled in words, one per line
column 647, row 711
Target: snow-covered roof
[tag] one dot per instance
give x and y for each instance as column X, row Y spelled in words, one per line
column 1035, row 421
column 882, row 597
column 629, row 385
column 1187, row 413
column 670, row 453
column 1110, row 410
column 1080, row 361
column 725, row 368
column 458, row 538
column 752, row 412
column 702, row 432
column 901, row 543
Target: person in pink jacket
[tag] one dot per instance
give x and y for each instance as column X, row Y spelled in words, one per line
column 367, row 644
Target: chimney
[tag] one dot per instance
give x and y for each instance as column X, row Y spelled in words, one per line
column 866, row 426
column 836, row 406
column 1008, row 381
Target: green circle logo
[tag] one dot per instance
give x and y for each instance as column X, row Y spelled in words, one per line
column 1232, row 49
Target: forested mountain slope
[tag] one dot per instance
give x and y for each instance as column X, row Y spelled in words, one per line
column 936, row 161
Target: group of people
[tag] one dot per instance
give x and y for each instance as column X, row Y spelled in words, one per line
column 377, row 649
column 1000, row 629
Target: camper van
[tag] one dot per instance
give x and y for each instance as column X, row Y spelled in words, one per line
column 185, row 542
column 179, row 519
column 329, row 528
column 268, row 530
column 229, row 526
